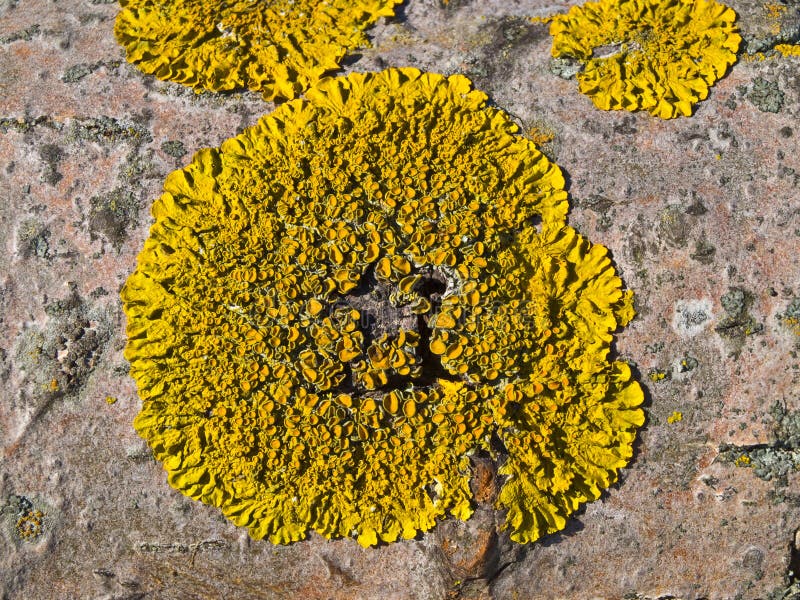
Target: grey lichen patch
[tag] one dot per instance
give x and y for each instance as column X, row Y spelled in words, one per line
column 738, row 323
column 789, row 592
column 112, row 215
column 673, row 226
column 5, row 366
column 108, row 215
column 680, row 459
column 51, row 155
column 505, row 40
column 735, row 301
column 101, row 130
column 753, row 560
column 174, row 148
column 23, row 125
column 704, row 251
column 56, row 359
column 454, row 4
column 691, row 316
column 565, row 67
column 596, row 203
column 77, row 72
column 766, row 95
column 104, row 130
column 25, row 35
column 33, row 239
column 790, row 317
column 179, row 548
column 687, row 364
column 779, row 24
column 772, row 461
column 697, row 208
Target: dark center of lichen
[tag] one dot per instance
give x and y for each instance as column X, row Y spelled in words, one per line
column 387, row 313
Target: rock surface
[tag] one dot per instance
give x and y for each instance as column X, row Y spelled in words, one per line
column 701, row 214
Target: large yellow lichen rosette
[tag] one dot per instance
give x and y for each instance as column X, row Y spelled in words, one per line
column 337, row 308
column 661, row 56
column 276, row 47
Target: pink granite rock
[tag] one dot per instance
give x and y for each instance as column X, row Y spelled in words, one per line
column 701, row 214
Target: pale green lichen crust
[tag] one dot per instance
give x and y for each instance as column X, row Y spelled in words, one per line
column 276, row 47
column 339, row 306
column 661, row 56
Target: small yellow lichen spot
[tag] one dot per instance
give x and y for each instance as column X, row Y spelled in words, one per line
column 540, row 135
column 661, row 56
column 30, row 525
column 743, row 461
column 337, row 308
column 788, row 50
column 657, row 375
column 276, row 47
column 775, row 13
column 53, row 386
column 111, row 400
column 757, row 57
column 792, row 323
column 675, row 417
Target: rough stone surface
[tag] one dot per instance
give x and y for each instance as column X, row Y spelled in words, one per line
column 702, row 216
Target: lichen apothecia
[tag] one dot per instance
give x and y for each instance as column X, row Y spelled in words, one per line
column 337, row 308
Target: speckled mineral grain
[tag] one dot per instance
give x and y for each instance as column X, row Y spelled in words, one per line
column 701, row 215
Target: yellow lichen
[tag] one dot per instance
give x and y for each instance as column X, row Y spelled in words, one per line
column 775, row 13
column 29, row 525
column 779, row 51
column 793, row 323
column 788, row 50
column 540, row 134
column 675, row 417
column 655, row 55
column 338, row 307
column 743, row 460
column 276, row 47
